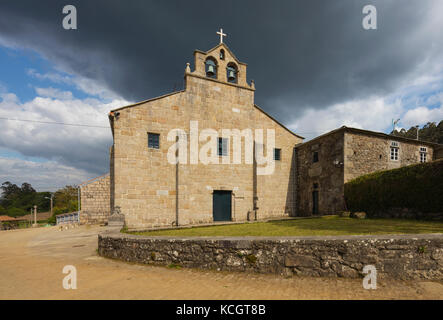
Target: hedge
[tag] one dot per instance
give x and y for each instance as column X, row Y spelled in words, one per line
column 417, row 188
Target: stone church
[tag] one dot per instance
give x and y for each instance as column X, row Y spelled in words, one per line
column 201, row 155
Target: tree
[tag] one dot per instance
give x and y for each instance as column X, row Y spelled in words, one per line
column 430, row 132
column 63, row 197
column 16, row 212
column 10, row 191
column 27, row 188
column 22, row 198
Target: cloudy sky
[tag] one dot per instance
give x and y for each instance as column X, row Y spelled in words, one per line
column 314, row 66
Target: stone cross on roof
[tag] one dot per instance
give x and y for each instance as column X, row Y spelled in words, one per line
column 221, row 35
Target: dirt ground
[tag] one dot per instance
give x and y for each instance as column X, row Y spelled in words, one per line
column 32, row 260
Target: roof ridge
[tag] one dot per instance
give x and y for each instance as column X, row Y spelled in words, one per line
column 227, row 48
column 282, row 125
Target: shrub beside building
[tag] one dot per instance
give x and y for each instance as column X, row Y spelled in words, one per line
column 414, row 191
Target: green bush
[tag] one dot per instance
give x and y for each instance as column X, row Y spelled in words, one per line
column 58, row 210
column 16, row 212
column 416, row 187
column 52, row 219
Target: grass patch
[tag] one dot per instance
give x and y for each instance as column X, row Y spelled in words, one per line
column 321, row 226
column 251, row 259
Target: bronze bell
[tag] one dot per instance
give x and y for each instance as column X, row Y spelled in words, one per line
column 211, row 70
column 231, row 75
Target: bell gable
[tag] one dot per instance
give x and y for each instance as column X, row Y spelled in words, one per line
column 220, row 64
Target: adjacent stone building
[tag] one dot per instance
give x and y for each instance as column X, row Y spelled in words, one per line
column 95, row 206
column 326, row 163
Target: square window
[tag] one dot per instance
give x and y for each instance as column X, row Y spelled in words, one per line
column 277, row 154
column 222, row 149
column 153, row 140
column 315, row 156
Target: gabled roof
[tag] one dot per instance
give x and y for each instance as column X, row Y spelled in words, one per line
column 272, row 118
column 166, row 95
column 7, row 218
column 40, row 216
column 371, row 133
column 148, row 100
column 93, row 180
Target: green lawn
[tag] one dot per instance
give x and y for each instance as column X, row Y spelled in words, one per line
column 321, row 226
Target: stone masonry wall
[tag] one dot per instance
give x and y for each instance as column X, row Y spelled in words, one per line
column 342, row 156
column 152, row 192
column 327, row 176
column 399, row 257
column 95, row 201
column 366, row 154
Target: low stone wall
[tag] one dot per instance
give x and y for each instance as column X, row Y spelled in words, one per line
column 400, row 257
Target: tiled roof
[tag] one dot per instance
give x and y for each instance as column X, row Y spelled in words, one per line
column 7, row 218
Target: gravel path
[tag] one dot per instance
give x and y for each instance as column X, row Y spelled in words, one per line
column 32, row 260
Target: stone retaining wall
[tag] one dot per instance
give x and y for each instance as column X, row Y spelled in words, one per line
column 400, row 257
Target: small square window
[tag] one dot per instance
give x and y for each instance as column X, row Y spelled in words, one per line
column 315, row 156
column 153, row 140
column 222, row 149
column 277, row 154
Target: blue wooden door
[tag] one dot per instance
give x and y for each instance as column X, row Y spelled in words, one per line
column 221, row 205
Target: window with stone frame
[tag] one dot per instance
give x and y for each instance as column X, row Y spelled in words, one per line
column 423, row 152
column 153, row 140
column 315, row 156
column 222, row 149
column 394, row 153
column 277, row 154
column 394, row 150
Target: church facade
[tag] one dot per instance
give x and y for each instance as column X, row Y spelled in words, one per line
column 203, row 154
column 208, row 153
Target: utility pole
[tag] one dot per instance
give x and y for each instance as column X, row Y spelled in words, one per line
column 417, row 131
column 35, row 217
column 78, row 202
column 52, row 196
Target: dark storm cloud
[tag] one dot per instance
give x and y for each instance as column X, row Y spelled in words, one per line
column 300, row 53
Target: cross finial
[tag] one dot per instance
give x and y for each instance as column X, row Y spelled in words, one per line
column 221, row 35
